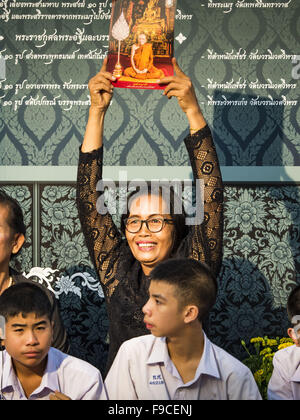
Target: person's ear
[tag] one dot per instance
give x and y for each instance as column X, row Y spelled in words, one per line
column 51, row 334
column 191, row 313
column 18, row 242
column 293, row 335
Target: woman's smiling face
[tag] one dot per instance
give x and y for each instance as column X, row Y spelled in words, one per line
column 147, row 247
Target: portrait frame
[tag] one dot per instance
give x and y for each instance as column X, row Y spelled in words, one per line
column 141, row 42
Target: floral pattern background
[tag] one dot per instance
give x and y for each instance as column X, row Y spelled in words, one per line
column 62, row 243
column 261, row 264
column 84, row 315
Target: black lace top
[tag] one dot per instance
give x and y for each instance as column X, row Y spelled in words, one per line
column 124, row 284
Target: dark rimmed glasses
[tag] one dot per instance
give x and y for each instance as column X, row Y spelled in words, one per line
column 154, row 224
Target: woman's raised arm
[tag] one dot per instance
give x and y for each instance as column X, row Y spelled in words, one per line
column 101, row 91
column 181, row 87
column 101, row 234
column 206, row 239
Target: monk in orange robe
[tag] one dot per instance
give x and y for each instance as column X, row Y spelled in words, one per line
column 142, row 61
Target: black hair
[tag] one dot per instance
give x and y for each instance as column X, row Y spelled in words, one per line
column 194, row 282
column 176, row 208
column 293, row 303
column 16, row 219
column 25, row 298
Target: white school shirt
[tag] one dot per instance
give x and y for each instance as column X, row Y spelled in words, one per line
column 73, row 377
column 143, row 370
column 285, row 380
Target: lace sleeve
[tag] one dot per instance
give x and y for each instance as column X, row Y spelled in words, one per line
column 206, row 239
column 102, row 236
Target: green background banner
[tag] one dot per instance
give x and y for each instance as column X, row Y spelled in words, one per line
column 239, row 55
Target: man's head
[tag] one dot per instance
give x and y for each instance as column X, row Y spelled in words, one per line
column 142, row 38
column 28, row 331
column 182, row 291
column 12, row 228
column 293, row 310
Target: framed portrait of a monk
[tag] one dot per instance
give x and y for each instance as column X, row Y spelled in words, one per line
column 141, row 42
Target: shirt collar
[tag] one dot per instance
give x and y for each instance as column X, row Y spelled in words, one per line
column 296, row 375
column 9, row 380
column 159, row 352
column 50, row 377
column 49, row 381
column 208, row 364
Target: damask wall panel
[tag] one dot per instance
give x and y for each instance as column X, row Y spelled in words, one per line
column 238, row 55
column 81, row 299
column 261, row 264
column 83, row 311
column 61, row 241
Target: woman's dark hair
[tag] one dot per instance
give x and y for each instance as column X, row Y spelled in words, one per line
column 25, row 298
column 176, row 208
column 15, row 219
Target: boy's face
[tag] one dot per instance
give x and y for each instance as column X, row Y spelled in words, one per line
column 163, row 316
column 28, row 339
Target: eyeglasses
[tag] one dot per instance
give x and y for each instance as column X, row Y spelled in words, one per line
column 154, row 224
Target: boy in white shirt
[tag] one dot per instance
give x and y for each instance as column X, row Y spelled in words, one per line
column 30, row 369
column 285, row 380
column 177, row 361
